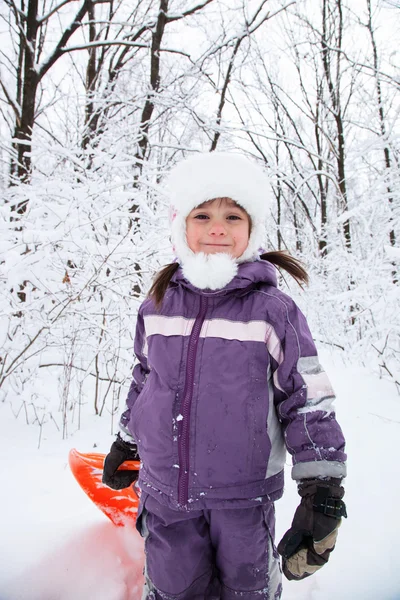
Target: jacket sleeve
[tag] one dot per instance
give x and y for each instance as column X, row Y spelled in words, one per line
column 140, row 373
column 304, row 399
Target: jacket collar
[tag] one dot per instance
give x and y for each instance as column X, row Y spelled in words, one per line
column 248, row 274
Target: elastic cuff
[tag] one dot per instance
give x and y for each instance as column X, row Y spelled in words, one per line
column 130, row 449
column 125, row 436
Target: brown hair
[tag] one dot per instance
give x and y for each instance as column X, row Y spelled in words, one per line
column 161, row 283
column 281, row 259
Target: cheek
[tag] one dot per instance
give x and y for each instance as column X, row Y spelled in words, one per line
column 243, row 235
column 243, row 243
column 191, row 236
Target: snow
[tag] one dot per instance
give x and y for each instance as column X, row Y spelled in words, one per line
column 56, row 545
column 392, row 252
column 326, row 405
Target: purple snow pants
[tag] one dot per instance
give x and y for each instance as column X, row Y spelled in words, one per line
column 216, row 554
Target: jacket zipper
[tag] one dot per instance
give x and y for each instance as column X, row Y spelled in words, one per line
column 184, row 422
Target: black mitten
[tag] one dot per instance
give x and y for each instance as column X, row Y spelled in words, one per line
column 306, row 546
column 120, row 451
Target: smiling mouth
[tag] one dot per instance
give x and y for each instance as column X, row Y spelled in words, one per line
column 219, row 245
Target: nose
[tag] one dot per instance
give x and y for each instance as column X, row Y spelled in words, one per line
column 217, row 229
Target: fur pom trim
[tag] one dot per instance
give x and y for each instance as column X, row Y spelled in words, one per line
column 209, row 271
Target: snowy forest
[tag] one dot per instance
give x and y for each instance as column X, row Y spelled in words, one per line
column 99, row 98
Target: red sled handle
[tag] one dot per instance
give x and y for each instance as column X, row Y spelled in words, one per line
column 120, row 506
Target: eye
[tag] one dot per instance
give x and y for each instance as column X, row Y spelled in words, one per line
column 201, row 217
column 235, row 217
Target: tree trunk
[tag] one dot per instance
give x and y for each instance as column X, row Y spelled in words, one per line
column 322, row 242
column 278, row 195
column 329, row 41
column 24, row 127
column 382, row 125
column 29, row 76
column 91, row 75
column 223, row 94
column 19, row 81
column 154, row 82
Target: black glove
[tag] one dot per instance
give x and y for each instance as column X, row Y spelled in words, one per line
column 306, row 547
column 120, row 451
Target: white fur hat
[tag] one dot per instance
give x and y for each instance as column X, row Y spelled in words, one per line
column 207, row 176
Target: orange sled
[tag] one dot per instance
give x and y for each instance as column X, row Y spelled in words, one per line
column 119, row 506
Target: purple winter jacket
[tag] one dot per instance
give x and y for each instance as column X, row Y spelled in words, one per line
column 225, row 382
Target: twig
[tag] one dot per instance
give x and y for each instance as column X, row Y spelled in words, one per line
column 330, row 344
column 79, row 369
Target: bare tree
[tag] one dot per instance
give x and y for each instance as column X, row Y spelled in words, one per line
column 30, row 71
column 331, row 45
column 290, row 123
column 251, row 25
column 381, row 114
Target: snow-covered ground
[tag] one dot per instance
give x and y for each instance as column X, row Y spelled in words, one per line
column 55, row 544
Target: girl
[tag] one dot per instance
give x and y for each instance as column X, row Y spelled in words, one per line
column 227, row 380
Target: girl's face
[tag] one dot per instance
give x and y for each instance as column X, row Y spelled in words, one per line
column 219, row 225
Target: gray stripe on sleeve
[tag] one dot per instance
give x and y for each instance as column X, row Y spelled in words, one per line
column 277, row 455
column 318, row 468
column 309, row 365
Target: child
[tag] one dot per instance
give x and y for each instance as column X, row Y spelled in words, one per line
column 227, row 379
